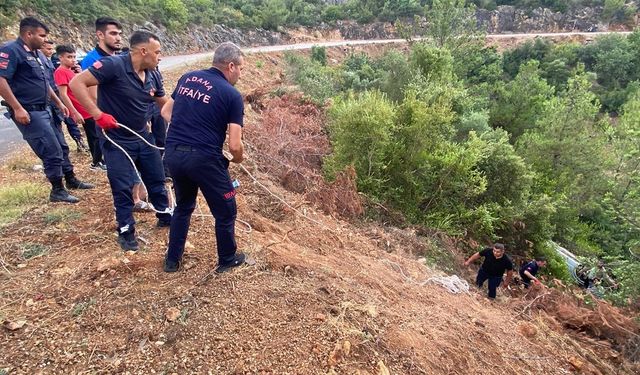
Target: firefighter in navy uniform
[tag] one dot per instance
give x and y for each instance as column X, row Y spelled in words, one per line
column 204, row 106
column 125, row 91
column 27, row 92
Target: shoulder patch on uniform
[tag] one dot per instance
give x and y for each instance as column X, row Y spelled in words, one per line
column 4, row 55
column 97, row 65
column 4, row 64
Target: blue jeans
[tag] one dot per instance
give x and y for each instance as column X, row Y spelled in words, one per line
column 192, row 170
column 494, row 282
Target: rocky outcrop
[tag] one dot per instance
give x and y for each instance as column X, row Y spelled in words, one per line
column 509, row 19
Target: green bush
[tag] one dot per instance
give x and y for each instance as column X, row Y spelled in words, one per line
column 319, row 55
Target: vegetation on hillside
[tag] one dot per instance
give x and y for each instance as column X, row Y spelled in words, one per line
column 271, row 14
column 534, row 144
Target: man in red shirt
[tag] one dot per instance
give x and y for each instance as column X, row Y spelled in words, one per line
column 63, row 75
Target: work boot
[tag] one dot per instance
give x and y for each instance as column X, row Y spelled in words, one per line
column 127, row 241
column 60, row 194
column 74, row 183
column 171, row 266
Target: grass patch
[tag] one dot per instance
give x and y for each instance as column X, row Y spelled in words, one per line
column 22, row 162
column 60, row 215
column 33, row 250
column 15, row 199
column 80, row 307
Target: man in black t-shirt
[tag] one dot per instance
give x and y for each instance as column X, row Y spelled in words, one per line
column 493, row 267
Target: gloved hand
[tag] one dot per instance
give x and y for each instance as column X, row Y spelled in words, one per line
column 106, row 121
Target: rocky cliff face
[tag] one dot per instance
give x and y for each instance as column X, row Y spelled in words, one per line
column 509, row 19
column 505, row 19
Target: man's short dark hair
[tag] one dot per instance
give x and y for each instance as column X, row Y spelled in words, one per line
column 541, row 259
column 498, row 246
column 103, row 22
column 30, row 23
column 65, row 48
column 141, row 37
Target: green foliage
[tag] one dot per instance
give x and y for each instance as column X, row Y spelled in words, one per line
column 33, row 250
column 80, row 307
column 272, row 14
column 515, row 147
column 319, row 55
column 450, row 16
column 452, row 24
column 361, row 129
column 175, row 12
column 315, row 80
column 618, row 11
column 556, row 265
column 520, row 103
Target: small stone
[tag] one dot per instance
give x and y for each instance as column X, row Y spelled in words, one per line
column 172, row 314
column 576, row 363
column 346, row 348
column 30, row 302
column 477, row 322
column 159, row 343
column 382, row 369
column 14, row 326
column 37, row 168
column 107, row 264
column 321, row 317
column 21, row 265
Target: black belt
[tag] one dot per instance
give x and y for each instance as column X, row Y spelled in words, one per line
column 35, row 107
column 185, row 148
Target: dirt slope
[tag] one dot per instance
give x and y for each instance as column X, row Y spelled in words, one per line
column 325, row 296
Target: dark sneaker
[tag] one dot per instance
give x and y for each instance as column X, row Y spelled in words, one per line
column 128, row 242
column 74, row 183
column 99, row 166
column 237, row 261
column 62, row 195
column 171, row 266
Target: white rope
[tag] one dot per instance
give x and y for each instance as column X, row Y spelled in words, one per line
column 168, row 210
column 452, row 283
column 230, row 157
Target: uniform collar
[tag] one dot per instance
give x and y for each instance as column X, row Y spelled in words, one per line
column 102, row 52
column 128, row 67
column 218, row 72
column 23, row 44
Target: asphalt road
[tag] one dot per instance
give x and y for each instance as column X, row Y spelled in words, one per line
column 10, row 137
